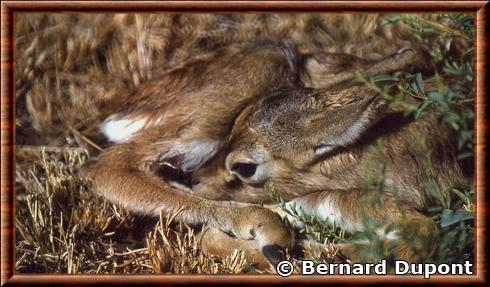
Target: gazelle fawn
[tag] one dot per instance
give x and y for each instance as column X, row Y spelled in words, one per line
column 207, row 137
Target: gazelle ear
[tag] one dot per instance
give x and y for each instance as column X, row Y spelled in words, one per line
column 347, row 124
column 323, row 70
column 191, row 155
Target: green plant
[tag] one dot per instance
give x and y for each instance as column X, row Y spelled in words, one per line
column 447, row 95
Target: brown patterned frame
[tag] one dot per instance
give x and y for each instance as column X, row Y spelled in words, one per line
column 9, row 8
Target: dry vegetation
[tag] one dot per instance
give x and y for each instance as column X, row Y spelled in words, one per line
column 63, row 227
column 69, row 72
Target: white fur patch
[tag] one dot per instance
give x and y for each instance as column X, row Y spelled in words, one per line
column 193, row 154
column 120, row 130
column 391, row 235
column 327, row 210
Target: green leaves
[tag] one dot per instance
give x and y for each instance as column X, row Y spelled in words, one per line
column 420, row 83
column 448, row 96
column 450, row 217
column 437, row 98
column 457, row 69
column 384, row 78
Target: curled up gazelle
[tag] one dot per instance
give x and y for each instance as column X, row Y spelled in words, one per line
column 209, row 135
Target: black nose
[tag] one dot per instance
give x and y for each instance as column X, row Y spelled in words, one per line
column 244, row 169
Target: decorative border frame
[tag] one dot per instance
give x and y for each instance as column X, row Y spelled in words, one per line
column 8, row 10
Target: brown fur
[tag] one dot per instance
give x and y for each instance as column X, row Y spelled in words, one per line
column 193, row 88
column 287, row 128
column 73, row 68
column 185, row 97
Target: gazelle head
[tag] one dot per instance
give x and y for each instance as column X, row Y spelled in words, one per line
column 283, row 138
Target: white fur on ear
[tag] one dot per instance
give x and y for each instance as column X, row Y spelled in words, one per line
column 368, row 118
column 347, row 137
column 120, row 130
column 190, row 156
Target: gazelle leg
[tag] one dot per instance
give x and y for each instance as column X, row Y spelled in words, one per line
column 398, row 225
column 122, row 175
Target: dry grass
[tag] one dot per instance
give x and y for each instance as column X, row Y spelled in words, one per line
column 62, row 227
column 70, row 69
